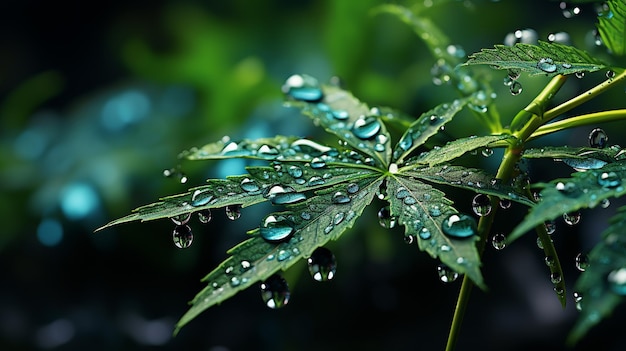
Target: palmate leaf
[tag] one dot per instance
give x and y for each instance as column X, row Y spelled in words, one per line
column 601, row 287
column 314, row 222
column 582, row 190
column 545, row 58
column 457, row 148
column 612, row 27
column 421, row 209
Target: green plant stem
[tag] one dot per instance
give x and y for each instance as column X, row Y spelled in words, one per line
column 578, row 121
column 584, row 97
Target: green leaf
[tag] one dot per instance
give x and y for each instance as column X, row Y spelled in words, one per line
column 597, row 286
column 421, row 209
column 427, row 125
column 612, row 27
column 579, row 158
column 545, row 58
column 314, row 222
column 457, row 148
column 582, row 190
column 343, row 115
column 472, row 179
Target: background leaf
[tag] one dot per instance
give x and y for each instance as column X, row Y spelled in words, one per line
column 456, row 148
column 545, row 58
column 612, row 27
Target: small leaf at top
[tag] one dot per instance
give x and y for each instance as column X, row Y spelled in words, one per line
column 545, row 58
column 456, row 148
column 612, row 27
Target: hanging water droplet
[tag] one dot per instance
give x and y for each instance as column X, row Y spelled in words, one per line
column 340, row 198
column 581, row 261
column 233, row 212
column 549, row 260
column 598, row 138
column 204, row 216
column 303, row 87
column 515, row 88
column 617, row 281
column 366, row 127
column 385, row 219
column 578, row 299
column 555, row 278
column 201, row 197
column 181, row 219
column 249, row 185
column 547, row 65
column 275, row 292
column 605, row 203
column 409, row 239
column 322, row 264
column 446, row 275
column 498, row 241
column 182, row 236
column 276, row 228
column 459, row 226
column 571, row 218
column 580, row 75
column 539, row 243
column 609, row 180
column 486, row 152
column 505, row 204
column 550, row 227
column 481, row 205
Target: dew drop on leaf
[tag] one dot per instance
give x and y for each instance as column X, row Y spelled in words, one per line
column 233, row 212
column 434, row 210
column 539, row 243
column 581, row 261
column 275, row 292
column 385, row 219
column 568, row 189
column 610, row 74
column 182, row 236
column 424, row 234
column 459, row 226
column 200, row 197
column 617, row 281
column 249, row 185
column 352, row 188
column 547, row 65
column 498, row 241
column 549, row 260
column 181, row 219
column 317, row 163
column 295, row 171
column 598, row 138
column 303, row 87
column 550, row 227
column 322, row 264
column 204, row 216
column 481, row 205
column 276, row 228
column 555, row 278
column 446, row 275
column 366, row 127
column 609, row 180
column 571, row 218
column 340, row 198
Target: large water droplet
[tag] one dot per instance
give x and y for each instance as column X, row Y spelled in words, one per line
column 276, row 228
column 295, row 171
column 303, row 87
column 322, row 264
column 317, row 162
column 481, row 205
column 385, row 219
column 204, row 216
column 352, row 188
column 459, row 226
column 571, row 218
column 182, row 236
column 181, row 219
column 275, row 292
column 617, row 281
column 200, row 197
column 340, row 198
column 598, row 138
column 446, row 274
column 498, row 241
column 249, row 185
column 547, row 65
column 233, row 212
column 366, row 128
column 609, row 180
column 582, row 262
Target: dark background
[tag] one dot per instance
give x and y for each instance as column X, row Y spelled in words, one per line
column 97, row 99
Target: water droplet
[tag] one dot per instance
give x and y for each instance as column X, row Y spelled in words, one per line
column 201, row 197
column 605, row 203
column 610, row 74
column 579, row 75
column 316, row 180
column 352, row 188
column 303, row 87
column 181, row 219
column 568, row 189
column 578, row 298
column 582, row 262
column 539, row 243
column 434, row 210
column 275, row 292
column 366, row 128
column 276, row 228
column 446, row 274
column 598, row 138
column 322, row 264
column 317, row 163
column 340, row 114
column 515, row 88
column 617, row 281
column 182, row 236
column 340, row 198
column 498, row 241
column 609, row 180
column 481, row 205
column 459, row 226
column 204, row 216
column 571, row 218
column 249, row 185
column 547, row 65
column 295, row 171
column 550, row 227
column 555, row 278
column 549, row 260
column 409, row 239
column 233, row 212
column 385, row 219
column 505, row 204
column 424, row 233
